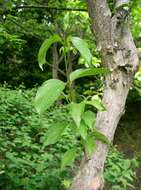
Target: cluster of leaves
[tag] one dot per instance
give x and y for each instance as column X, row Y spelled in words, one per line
column 83, row 117
column 24, row 161
column 136, row 17
column 23, row 30
column 30, row 158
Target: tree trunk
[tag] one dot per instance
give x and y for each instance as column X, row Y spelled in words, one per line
column 90, row 177
column 119, row 54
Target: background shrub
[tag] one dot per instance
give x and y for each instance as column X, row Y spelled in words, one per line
column 25, row 165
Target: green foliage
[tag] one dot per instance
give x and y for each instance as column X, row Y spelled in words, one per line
column 101, row 137
column 27, row 164
column 96, row 102
column 44, row 48
column 23, row 31
column 136, row 17
column 84, row 121
column 89, row 144
column 82, row 47
column 48, row 93
column 68, row 158
column 24, row 164
column 76, row 111
column 83, row 130
column 89, row 118
column 79, row 73
column 20, row 40
column 54, row 133
column 119, row 173
column 45, row 97
column 31, row 145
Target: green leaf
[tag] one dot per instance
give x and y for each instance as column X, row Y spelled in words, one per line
column 44, row 48
column 54, row 133
column 19, row 161
column 83, row 130
column 68, row 158
column 97, row 103
column 89, row 118
column 67, row 183
column 76, row 111
column 90, row 144
column 100, row 136
column 82, row 47
column 48, row 93
column 79, row 73
column 73, row 127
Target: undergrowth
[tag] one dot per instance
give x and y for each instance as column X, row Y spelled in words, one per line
column 26, row 165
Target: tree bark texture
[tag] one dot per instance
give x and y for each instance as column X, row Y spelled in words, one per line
column 119, row 54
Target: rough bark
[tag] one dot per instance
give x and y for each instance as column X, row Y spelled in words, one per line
column 119, row 54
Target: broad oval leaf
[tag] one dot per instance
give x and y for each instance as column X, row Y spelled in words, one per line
column 68, row 158
column 83, row 130
column 82, row 47
column 89, row 118
column 90, row 144
column 79, row 73
column 44, row 48
column 96, row 102
column 100, row 136
column 54, row 133
column 48, row 93
column 76, row 111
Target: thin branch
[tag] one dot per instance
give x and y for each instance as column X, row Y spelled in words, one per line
column 56, row 69
column 60, row 59
column 51, row 8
